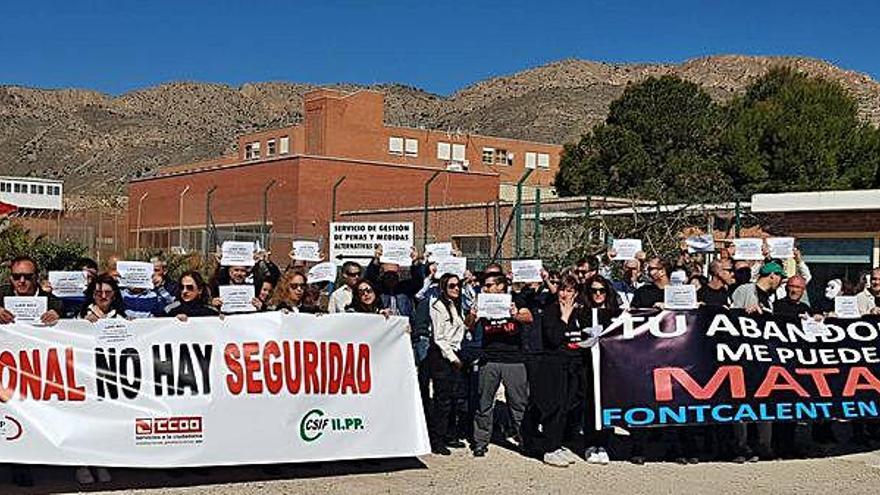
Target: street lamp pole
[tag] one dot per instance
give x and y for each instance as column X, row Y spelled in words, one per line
column 180, row 217
column 137, row 243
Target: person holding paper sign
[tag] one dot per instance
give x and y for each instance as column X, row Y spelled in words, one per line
column 444, row 364
column 503, row 363
column 23, row 282
column 652, row 295
column 192, row 298
column 103, row 299
column 292, row 295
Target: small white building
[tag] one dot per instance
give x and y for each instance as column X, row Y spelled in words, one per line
column 32, row 193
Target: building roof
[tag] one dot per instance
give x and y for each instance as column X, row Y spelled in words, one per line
column 31, row 179
column 816, row 201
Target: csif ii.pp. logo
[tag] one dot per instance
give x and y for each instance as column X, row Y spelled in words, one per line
column 316, row 423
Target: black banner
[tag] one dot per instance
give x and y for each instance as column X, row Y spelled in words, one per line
column 712, row 366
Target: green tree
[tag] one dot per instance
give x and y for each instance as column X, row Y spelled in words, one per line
column 659, row 142
column 792, row 132
column 15, row 240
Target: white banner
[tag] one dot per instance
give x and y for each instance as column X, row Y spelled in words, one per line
column 261, row 388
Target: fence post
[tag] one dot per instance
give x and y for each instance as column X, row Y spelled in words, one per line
column 537, row 234
column 518, row 212
column 263, row 225
column 208, row 219
column 333, row 198
column 738, row 219
column 425, row 209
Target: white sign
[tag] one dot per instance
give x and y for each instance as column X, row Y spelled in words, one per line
column 455, row 265
column 749, row 248
column 680, row 297
column 237, row 298
column 237, row 253
column 398, row 253
column 26, row 309
column 781, row 247
column 438, row 251
column 322, row 272
column 306, row 251
column 700, row 244
column 526, row 270
column 68, row 284
column 135, row 274
column 493, row 305
column 626, row 249
column 356, row 241
column 249, row 389
column 111, row 331
column 846, row 307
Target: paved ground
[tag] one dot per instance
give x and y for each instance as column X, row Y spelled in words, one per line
column 502, row 471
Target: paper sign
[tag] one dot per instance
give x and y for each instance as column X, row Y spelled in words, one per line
column 113, row 331
column 237, row 253
column 356, row 241
column 493, row 305
column 26, row 309
column 846, row 307
column 781, row 247
column 237, row 298
column 306, row 251
column 749, row 248
column 700, row 244
column 135, row 274
column 322, row 272
column 68, row 284
column 526, row 270
column 626, row 249
column 680, row 297
column 398, row 253
column 452, row 264
column 438, row 251
column 814, row 328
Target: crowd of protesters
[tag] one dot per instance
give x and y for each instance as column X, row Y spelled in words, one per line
column 539, row 352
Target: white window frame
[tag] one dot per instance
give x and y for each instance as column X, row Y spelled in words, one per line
column 490, row 153
column 531, row 159
column 411, row 147
column 458, row 152
column 543, row 160
column 444, row 151
column 270, row 147
column 395, row 145
column 284, row 145
column 501, row 157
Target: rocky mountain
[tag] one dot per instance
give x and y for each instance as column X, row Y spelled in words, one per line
column 96, row 142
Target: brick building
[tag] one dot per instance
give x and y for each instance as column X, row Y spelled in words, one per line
column 284, row 179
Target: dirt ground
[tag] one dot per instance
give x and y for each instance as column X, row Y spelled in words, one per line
column 502, row 471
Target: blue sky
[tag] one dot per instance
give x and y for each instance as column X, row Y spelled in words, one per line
column 117, row 46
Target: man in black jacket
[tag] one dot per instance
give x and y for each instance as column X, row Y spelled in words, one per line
column 24, row 282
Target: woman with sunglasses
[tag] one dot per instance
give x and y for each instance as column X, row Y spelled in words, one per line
column 449, row 327
column 366, row 299
column 192, row 298
column 600, row 308
column 292, row 294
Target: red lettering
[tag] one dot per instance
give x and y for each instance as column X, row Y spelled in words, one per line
column 54, row 380
column 663, row 383
column 273, row 372
column 293, row 377
column 31, row 374
column 234, row 380
column 334, row 362
column 348, row 372
column 363, row 367
column 818, row 376
column 7, row 389
column 771, row 383
column 310, row 356
column 74, row 392
column 323, row 367
column 855, row 382
column 251, row 366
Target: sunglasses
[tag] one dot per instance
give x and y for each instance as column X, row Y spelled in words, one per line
column 453, row 286
column 188, row 287
column 553, row 282
column 355, row 274
column 365, row 290
column 105, row 292
column 297, row 286
column 19, row 277
column 582, row 272
column 598, row 290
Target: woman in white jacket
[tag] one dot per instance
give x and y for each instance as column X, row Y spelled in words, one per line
column 443, row 362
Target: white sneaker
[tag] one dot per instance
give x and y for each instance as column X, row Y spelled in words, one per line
column 602, row 454
column 84, row 476
column 570, row 456
column 555, row 459
column 103, row 475
column 592, row 456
